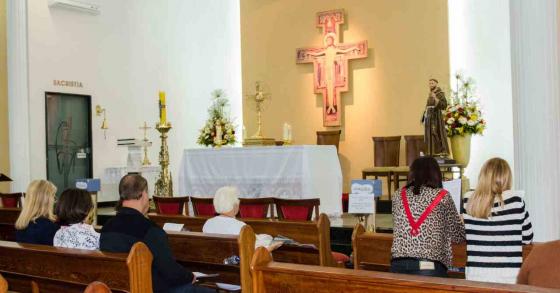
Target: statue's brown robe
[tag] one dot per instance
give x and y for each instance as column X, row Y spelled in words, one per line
column 434, row 124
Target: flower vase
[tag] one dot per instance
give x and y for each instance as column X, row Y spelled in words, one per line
column 461, row 148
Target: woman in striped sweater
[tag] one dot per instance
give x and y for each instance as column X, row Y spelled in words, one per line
column 496, row 226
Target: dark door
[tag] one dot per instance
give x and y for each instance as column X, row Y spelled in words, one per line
column 68, row 128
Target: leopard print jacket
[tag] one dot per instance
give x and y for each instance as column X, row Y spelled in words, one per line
column 440, row 229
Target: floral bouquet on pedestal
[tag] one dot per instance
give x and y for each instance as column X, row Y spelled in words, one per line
column 219, row 129
column 463, row 114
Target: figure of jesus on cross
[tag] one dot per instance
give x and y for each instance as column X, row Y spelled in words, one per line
column 331, row 64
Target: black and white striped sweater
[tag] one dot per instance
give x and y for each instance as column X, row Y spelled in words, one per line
column 495, row 244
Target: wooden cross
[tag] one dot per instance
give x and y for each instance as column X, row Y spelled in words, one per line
column 330, row 63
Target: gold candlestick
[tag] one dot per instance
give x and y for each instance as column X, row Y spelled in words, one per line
column 164, row 184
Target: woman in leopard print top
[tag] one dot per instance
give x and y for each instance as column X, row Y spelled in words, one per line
column 425, row 250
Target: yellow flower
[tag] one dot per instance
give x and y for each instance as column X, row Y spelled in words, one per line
column 474, row 117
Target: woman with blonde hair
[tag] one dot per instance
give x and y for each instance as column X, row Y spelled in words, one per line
column 36, row 222
column 496, row 225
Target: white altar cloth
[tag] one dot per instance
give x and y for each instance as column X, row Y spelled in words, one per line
column 290, row 172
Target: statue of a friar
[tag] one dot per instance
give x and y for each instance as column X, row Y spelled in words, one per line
column 435, row 135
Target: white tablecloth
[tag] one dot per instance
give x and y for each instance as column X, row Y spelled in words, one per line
column 291, row 172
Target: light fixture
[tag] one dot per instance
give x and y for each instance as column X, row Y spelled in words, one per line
column 104, row 126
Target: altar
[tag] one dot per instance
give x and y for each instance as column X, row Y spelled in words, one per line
column 289, row 172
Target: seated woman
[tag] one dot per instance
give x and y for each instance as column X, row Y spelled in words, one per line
column 36, row 222
column 72, row 210
column 426, row 223
column 497, row 225
column 226, row 204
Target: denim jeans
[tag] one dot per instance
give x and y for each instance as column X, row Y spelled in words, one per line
column 411, row 266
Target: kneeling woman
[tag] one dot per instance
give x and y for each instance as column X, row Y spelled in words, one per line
column 72, row 210
column 425, row 222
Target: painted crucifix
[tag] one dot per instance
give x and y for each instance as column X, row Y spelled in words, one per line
column 330, row 63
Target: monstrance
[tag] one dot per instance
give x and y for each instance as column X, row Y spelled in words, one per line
column 259, row 97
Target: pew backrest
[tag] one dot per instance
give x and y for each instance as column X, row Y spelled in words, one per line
column 316, row 233
column 8, row 218
column 52, row 269
column 270, row 276
column 206, row 253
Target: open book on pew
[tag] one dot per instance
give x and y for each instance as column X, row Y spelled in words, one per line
column 290, row 241
column 173, row 227
column 200, row 275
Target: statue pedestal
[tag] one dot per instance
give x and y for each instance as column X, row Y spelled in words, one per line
column 259, row 142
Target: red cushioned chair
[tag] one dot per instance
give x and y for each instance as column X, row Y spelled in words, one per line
column 256, row 208
column 11, row 200
column 171, row 205
column 297, row 209
column 203, row 206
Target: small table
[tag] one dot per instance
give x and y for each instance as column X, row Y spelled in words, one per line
column 394, row 174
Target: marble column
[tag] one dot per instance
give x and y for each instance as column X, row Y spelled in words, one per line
column 18, row 94
column 536, row 110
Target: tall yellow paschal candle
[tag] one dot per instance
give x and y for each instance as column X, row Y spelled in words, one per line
column 162, row 109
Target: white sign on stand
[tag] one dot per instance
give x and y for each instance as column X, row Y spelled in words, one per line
column 361, row 203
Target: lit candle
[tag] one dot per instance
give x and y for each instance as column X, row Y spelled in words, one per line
column 285, row 134
column 289, row 133
column 162, row 111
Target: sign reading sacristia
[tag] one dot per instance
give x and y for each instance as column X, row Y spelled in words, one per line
column 330, row 63
column 67, row 83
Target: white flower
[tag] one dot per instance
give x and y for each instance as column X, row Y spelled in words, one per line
column 450, row 120
column 471, row 123
column 218, row 93
column 462, row 120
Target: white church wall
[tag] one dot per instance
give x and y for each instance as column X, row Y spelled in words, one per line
column 123, row 57
column 479, row 40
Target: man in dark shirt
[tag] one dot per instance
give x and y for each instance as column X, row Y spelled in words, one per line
column 130, row 226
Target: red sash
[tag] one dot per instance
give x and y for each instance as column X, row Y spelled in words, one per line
column 415, row 225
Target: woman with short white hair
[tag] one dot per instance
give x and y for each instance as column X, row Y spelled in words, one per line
column 226, row 204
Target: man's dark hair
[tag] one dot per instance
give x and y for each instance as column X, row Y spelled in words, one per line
column 131, row 187
column 434, row 80
column 424, row 171
column 73, row 206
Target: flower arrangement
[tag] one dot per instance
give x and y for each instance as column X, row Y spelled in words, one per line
column 463, row 114
column 218, row 129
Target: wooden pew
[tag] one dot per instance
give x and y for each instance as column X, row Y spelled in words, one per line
column 372, row 251
column 8, row 218
column 29, row 267
column 315, row 232
column 200, row 252
column 3, row 285
column 270, row 276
